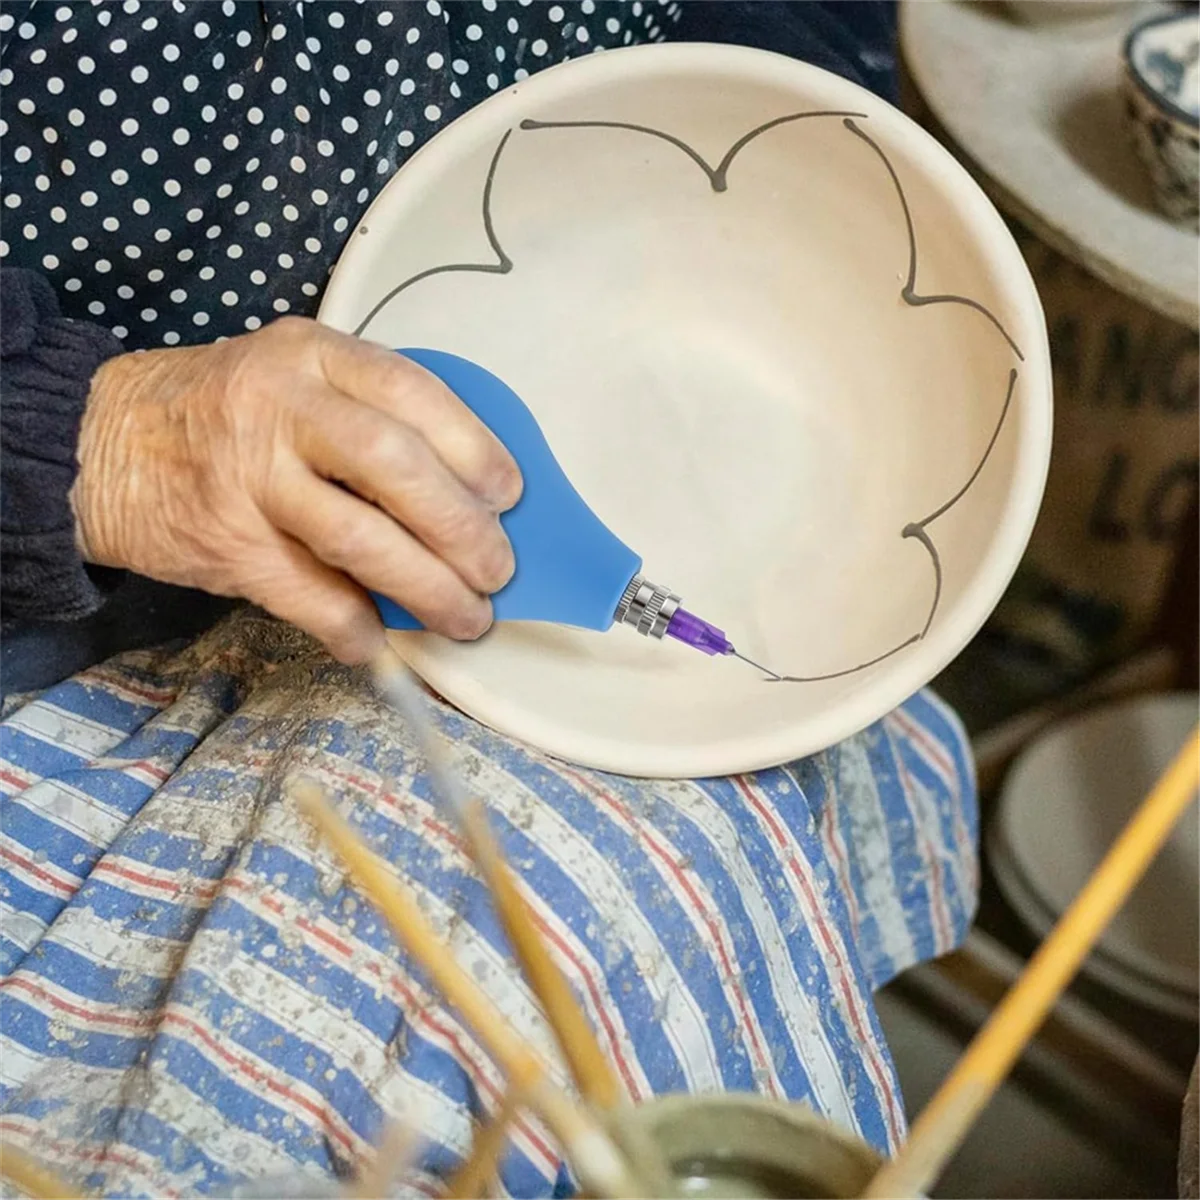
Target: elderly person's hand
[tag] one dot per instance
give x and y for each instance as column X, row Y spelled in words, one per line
column 295, row 467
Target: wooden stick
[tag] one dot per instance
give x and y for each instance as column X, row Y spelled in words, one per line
column 593, row 1076
column 396, row 1150
column 940, row 1129
column 591, row 1151
column 468, row 1181
column 31, row 1178
column 409, row 925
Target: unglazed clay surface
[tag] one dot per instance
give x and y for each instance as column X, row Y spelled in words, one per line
column 782, row 345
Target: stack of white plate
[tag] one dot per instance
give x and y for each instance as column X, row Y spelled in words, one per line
column 1065, row 801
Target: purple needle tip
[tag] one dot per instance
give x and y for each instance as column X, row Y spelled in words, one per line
column 708, row 639
column 692, row 631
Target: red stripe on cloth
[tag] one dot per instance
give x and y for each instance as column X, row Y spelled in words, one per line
column 20, row 782
column 664, row 855
column 450, row 837
column 611, row 1034
column 243, row 1065
column 27, row 864
column 929, row 749
column 328, row 1118
column 35, row 1131
column 940, row 917
column 202, row 889
column 34, row 987
column 415, row 1010
column 944, row 768
column 106, row 677
column 840, row 976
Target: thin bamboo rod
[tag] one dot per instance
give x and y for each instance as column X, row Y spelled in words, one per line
column 600, row 1165
column 469, row 1180
column 31, row 1178
column 945, row 1121
column 589, row 1068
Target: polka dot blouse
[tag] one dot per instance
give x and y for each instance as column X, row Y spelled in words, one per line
column 186, row 171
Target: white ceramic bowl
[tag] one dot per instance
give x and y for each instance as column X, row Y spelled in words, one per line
column 1162, row 100
column 1064, row 802
column 790, row 355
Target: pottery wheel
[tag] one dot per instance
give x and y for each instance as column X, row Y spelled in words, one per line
column 1039, row 111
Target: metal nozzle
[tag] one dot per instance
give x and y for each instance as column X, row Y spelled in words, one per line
column 647, row 607
column 655, row 612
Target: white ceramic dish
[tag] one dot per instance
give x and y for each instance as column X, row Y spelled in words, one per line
column 700, row 291
column 1162, row 100
column 1064, row 802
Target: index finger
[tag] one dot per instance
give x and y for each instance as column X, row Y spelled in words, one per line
column 407, row 392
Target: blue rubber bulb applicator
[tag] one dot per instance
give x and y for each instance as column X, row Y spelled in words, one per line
column 571, row 569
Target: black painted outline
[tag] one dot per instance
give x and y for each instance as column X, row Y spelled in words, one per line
column 501, row 266
column 718, row 175
column 917, row 529
column 718, row 180
column 909, row 292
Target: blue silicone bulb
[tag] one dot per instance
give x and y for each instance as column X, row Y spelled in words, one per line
column 571, row 569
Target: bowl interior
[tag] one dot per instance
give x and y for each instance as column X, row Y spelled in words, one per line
column 726, row 365
column 1163, row 56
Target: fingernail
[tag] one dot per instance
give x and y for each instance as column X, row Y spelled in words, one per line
column 504, row 565
column 471, row 625
column 362, row 644
column 503, row 490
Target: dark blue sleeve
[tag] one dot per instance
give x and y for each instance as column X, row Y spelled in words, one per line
column 854, row 39
column 46, row 366
column 55, row 617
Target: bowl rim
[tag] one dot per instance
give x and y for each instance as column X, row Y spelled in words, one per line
column 667, row 1107
column 1192, row 120
column 904, row 674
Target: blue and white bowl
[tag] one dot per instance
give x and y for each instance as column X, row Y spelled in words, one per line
column 1162, row 95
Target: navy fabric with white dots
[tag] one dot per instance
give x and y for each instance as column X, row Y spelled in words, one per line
column 185, row 171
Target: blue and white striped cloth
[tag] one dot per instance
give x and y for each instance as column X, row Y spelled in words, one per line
column 193, row 995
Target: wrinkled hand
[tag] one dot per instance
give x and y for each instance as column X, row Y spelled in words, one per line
column 296, row 467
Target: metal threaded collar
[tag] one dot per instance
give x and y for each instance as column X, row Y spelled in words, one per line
column 647, row 607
